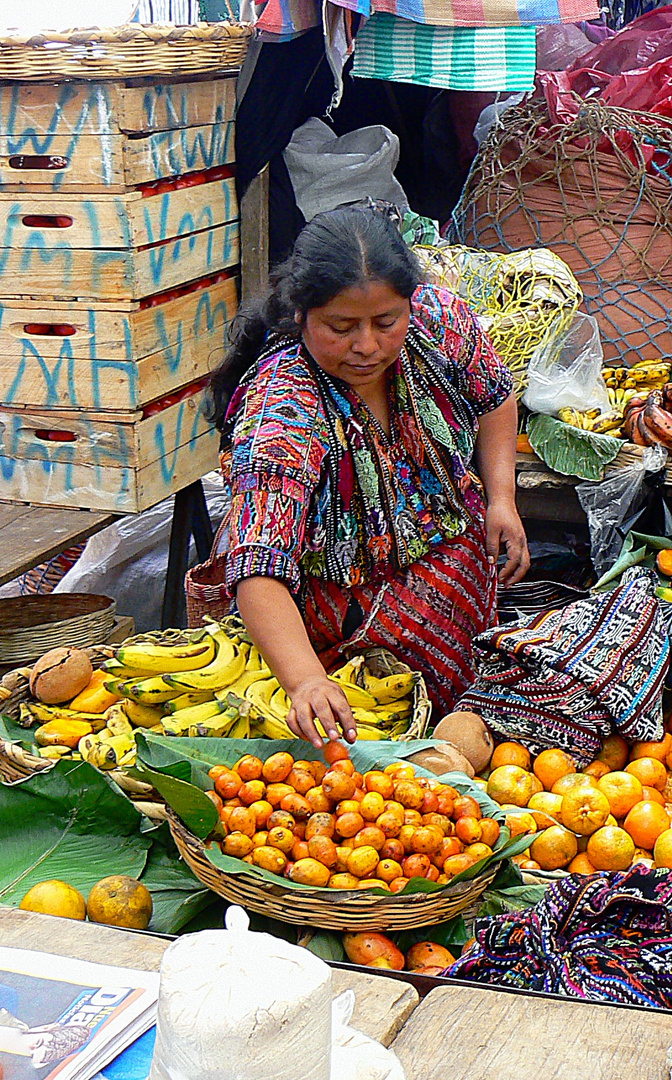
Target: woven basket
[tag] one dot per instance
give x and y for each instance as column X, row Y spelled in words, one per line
column 31, row 625
column 330, row 909
column 125, row 52
column 380, row 663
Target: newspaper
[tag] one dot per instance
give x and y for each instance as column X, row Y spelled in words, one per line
column 67, row 1019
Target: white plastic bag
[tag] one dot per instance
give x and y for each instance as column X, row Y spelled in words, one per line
column 129, row 559
column 567, row 370
column 355, row 1056
column 236, row 1005
column 612, row 501
column 327, row 171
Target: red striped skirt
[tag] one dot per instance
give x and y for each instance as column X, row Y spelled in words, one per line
column 427, row 614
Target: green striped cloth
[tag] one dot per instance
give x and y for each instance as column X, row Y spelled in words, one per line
column 452, row 57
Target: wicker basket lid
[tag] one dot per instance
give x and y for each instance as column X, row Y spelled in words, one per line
column 30, row 625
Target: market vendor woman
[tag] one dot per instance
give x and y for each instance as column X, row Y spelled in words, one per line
column 355, row 405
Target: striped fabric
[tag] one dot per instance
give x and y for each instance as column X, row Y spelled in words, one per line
column 454, row 58
column 480, row 12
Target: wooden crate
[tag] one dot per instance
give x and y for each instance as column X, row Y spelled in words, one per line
column 105, row 137
column 123, row 464
column 120, row 357
column 116, row 246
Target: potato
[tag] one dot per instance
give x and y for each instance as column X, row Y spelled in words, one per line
column 60, row 675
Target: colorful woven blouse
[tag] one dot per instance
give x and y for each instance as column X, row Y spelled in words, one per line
column 317, row 487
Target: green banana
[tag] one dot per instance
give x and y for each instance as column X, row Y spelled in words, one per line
column 157, row 659
column 227, row 666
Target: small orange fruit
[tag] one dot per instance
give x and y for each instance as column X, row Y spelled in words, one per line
column 645, row 822
column 301, row 780
column 372, row 806
column 275, row 793
column 623, row 790
column 228, row 784
column 468, row 830
column 269, row 858
column 374, row 883
column 466, row 806
column 550, row 765
column 262, row 810
column 237, row 844
column 457, row 864
column 362, row 861
column 658, row 750
column 545, row 808
column 649, row 771
column 611, row 848
column 584, row 810
column 389, row 823
column 510, row 753
column 416, row 865
column 510, row 784
column 310, row 872
column 662, row 851
column 318, row 800
column 281, row 838
column 323, row 849
column 242, row 820
column 335, row 751
column 343, row 881
column 596, row 769
column 249, row 768
column 398, row 884
column 614, row 752
column 427, row 840
column 338, row 785
column 554, row 848
column 478, row 851
column 348, row 824
column 320, row 825
column 296, row 805
column 392, row 849
column 643, row 856
column 571, row 781
column 380, row 782
column 409, row 794
column 252, row 791
column 388, row 869
column 277, row 767
column 370, row 836
column 490, row 830
column 581, row 864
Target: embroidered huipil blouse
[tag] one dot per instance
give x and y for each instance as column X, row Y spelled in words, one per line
column 319, row 490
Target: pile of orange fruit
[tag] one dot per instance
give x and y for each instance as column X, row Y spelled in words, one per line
column 328, row 825
column 608, row 816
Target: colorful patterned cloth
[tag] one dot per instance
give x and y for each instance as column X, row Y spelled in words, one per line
column 350, row 520
column 451, row 57
column 567, row 678
column 480, row 12
column 603, row 938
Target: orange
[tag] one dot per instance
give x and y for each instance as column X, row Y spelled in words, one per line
column 537, row 785
column 623, row 790
column 510, row 753
column 343, row 881
column 490, row 830
column 517, row 823
column 466, row 806
column 550, row 765
column 55, row 898
column 596, row 769
column 468, row 830
column 372, row 806
column 611, row 848
column 378, row 781
column 554, row 848
column 545, row 808
column 320, row 824
column 584, row 810
column 581, row 864
column 614, row 752
column 645, row 822
column 662, row 851
column 571, row 781
column 649, row 771
column 120, row 900
column 269, row 858
column 372, row 836
column 338, row 785
column 249, row 768
column 478, row 851
column 388, row 869
column 651, row 794
column 658, row 750
column 510, row 784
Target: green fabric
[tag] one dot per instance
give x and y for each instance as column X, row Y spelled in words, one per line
column 455, row 58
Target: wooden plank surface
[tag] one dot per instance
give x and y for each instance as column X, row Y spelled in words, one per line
column 478, row 1033
column 382, row 1005
column 30, row 535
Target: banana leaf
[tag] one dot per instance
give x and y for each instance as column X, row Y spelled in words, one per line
column 638, row 549
column 179, row 898
column 157, row 753
column 569, row 450
column 70, row 824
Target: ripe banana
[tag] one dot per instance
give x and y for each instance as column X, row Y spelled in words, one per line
column 227, row 665
column 141, row 715
column 35, row 710
column 151, row 691
column 178, row 722
column 350, row 671
column 54, row 753
column 240, row 729
column 156, row 659
column 270, row 727
column 255, row 661
column 243, row 681
column 356, row 696
column 113, row 753
column 392, row 687
column 119, row 671
column 186, row 700
column 116, row 720
column 259, row 693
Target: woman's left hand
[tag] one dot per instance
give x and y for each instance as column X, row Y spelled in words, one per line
column 504, row 529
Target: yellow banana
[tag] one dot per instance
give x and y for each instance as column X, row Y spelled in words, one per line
column 240, row 729
column 259, row 693
column 370, row 734
column 350, row 670
column 227, row 666
column 280, row 703
column 151, row 691
column 391, row 687
column 243, row 681
column 44, row 713
column 356, row 696
column 155, row 659
column 141, row 715
column 186, row 700
column 119, row 671
column 54, row 753
column 255, row 660
column 179, row 721
column 270, row 727
column 112, row 753
column 117, row 721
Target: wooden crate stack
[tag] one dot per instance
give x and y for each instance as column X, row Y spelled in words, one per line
column 119, row 248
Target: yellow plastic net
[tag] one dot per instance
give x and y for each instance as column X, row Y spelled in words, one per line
column 522, row 298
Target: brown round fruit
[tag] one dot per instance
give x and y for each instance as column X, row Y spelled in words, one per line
column 60, row 675
column 119, row 900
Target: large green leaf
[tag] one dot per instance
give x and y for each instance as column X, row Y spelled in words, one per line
column 195, row 809
column 177, row 894
column 68, row 823
column 569, row 450
column 639, row 549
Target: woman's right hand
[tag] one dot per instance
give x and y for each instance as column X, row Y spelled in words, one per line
column 319, row 698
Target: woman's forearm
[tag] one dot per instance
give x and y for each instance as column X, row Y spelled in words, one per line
column 496, row 451
column 277, row 629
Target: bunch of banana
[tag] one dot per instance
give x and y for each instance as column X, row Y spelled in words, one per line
column 645, row 375
column 619, row 397
column 592, row 420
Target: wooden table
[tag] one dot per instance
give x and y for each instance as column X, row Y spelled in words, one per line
column 30, row 535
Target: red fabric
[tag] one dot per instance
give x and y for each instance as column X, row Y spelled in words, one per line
column 427, row 615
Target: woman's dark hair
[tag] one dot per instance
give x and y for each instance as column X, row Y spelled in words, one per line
column 334, row 251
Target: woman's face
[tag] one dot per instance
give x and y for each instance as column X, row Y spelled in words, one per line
column 358, row 334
